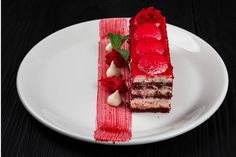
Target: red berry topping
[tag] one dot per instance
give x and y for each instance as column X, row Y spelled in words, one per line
column 147, row 30
column 149, row 45
column 116, row 58
column 112, row 84
column 153, row 64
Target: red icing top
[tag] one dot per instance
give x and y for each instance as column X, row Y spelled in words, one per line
column 147, row 30
column 149, row 44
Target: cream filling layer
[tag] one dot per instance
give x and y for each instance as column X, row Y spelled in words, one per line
column 161, row 79
column 151, row 92
column 150, row 103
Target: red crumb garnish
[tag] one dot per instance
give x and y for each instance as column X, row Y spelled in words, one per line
column 116, row 58
column 113, row 83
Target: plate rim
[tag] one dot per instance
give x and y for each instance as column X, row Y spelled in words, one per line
column 144, row 140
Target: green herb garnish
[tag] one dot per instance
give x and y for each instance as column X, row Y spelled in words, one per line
column 116, row 41
column 124, row 53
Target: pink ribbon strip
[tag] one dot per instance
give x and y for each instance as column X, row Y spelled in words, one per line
column 113, row 123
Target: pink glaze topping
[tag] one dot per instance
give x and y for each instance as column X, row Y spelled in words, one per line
column 147, row 30
column 153, row 64
column 149, row 45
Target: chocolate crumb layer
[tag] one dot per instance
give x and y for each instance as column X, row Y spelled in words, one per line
column 157, row 95
column 162, row 110
column 150, row 85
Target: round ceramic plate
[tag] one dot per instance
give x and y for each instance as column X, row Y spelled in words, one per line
column 57, row 83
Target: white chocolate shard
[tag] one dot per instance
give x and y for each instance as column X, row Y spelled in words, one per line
column 109, row 47
column 113, row 70
column 114, row 99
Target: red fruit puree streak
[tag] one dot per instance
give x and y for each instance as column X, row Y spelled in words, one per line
column 112, row 123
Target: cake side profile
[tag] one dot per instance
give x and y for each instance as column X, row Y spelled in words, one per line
column 151, row 75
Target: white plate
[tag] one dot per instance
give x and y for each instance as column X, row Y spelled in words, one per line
column 57, row 83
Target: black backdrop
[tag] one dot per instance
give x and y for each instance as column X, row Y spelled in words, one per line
column 26, row 22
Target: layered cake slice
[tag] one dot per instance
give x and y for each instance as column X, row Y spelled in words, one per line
column 151, row 70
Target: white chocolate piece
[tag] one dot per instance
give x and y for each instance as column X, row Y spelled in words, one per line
column 157, row 24
column 114, row 99
column 113, row 70
column 109, row 47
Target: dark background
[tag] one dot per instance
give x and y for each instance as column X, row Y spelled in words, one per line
column 26, row 22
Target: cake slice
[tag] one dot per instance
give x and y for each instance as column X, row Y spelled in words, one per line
column 151, row 77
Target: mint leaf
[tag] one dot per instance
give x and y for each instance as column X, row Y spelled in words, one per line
column 125, row 38
column 124, row 53
column 116, row 40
